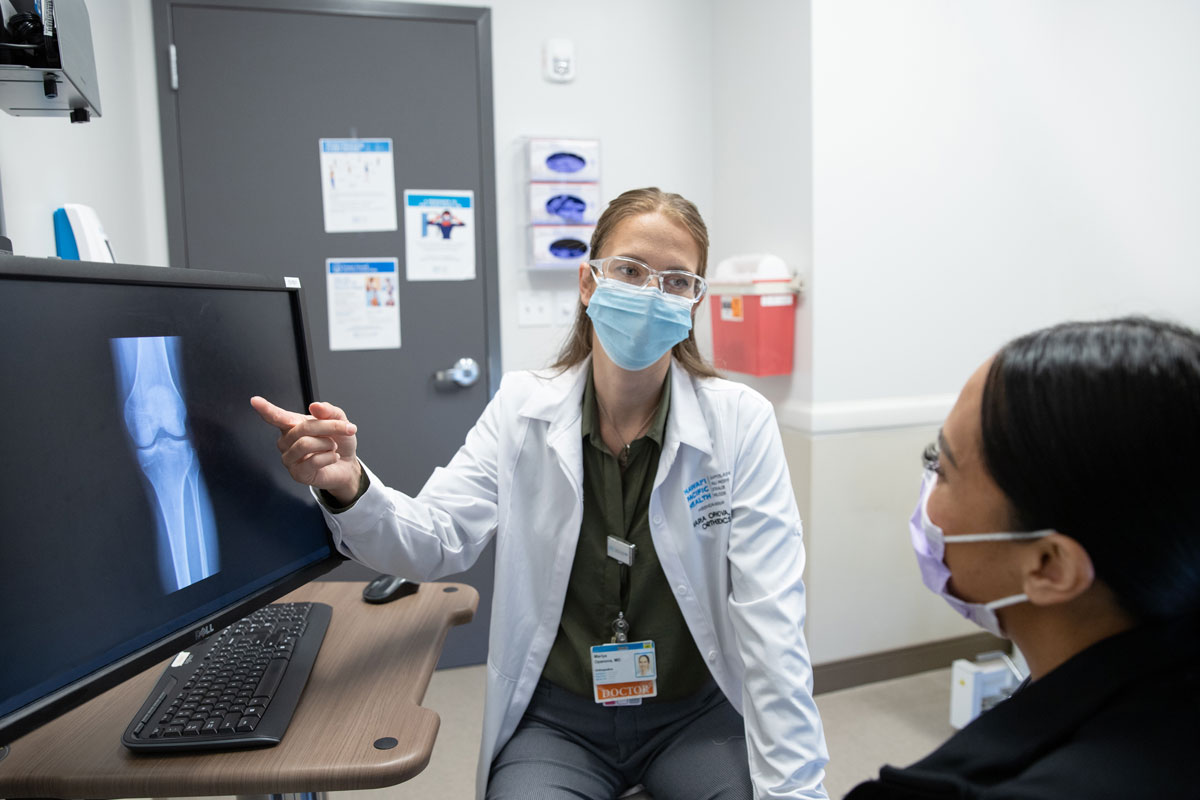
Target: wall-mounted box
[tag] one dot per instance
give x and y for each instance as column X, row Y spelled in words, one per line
column 562, row 247
column 573, row 160
column 753, row 300
column 564, row 203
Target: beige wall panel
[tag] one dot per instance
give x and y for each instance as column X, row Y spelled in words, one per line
column 856, row 492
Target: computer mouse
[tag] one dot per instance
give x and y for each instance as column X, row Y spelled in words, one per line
column 387, row 588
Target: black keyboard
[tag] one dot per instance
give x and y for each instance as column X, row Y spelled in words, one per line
column 237, row 688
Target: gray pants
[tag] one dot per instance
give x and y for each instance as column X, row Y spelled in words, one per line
column 566, row 746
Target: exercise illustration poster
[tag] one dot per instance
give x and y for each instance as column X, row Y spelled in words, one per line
column 358, row 185
column 439, row 230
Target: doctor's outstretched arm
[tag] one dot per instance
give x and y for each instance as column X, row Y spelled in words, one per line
column 440, row 531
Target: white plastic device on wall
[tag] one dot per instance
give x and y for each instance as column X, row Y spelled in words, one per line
column 976, row 686
column 558, row 60
column 79, row 235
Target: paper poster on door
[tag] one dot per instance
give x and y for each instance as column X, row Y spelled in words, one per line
column 439, row 230
column 358, row 185
column 364, row 309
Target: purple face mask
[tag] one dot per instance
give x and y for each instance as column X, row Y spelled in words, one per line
column 929, row 543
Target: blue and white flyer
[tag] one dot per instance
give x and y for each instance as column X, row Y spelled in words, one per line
column 439, row 232
column 358, row 185
column 364, row 305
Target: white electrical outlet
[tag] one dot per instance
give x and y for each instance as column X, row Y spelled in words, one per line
column 566, row 302
column 534, row 308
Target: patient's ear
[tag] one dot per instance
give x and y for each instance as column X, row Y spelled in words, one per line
column 1057, row 570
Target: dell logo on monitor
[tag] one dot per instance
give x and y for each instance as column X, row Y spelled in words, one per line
column 204, row 631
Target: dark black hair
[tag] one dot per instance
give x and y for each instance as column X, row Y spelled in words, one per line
column 1093, row 429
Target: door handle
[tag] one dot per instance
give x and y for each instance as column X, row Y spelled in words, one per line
column 464, row 373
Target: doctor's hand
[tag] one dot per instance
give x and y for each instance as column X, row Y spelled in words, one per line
column 318, row 449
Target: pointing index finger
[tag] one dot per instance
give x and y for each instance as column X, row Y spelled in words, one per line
column 281, row 418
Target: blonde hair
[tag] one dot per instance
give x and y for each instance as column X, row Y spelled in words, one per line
column 635, row 202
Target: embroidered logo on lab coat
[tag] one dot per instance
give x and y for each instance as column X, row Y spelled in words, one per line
column 708, row 498
column 708, row 491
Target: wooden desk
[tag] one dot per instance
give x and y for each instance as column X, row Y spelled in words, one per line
column 367, row 684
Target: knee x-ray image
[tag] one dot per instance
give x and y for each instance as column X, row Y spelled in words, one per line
column 151, row 396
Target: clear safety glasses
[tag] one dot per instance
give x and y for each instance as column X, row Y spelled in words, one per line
column 675, row 283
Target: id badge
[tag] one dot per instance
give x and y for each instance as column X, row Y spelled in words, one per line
column 624, row 673
column 621, row 551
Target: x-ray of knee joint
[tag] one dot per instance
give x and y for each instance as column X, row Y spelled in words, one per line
column 151, row 397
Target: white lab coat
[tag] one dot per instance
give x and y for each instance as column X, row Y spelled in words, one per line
column 725, row 526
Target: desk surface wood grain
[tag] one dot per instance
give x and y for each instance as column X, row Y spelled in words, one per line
column 367, row 684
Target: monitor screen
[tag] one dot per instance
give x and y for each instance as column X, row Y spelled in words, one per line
column 146, row 505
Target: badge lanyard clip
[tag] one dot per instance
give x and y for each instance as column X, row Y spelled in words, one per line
column 623, row 552
column 620, row 628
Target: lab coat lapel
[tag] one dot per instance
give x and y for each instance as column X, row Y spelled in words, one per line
column 686, row 424
column 560, row 403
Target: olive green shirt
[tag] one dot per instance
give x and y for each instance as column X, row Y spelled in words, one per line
column 615, row 503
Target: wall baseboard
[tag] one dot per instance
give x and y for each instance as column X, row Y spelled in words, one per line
column 898, row 663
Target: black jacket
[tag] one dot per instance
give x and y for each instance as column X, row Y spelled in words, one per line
column 1119, row 720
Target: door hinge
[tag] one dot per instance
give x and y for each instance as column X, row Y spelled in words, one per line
column 174, row 67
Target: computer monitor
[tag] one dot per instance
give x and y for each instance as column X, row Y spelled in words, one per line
column 145, row 504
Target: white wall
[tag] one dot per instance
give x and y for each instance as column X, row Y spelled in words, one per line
column 979, row 170
column 762, row 157
column 854, row 489
column 642, row 89
column 113, row 163
column 983, row 169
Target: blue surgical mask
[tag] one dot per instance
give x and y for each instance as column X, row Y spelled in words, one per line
column 637, row 326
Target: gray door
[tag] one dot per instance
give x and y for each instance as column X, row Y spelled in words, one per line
column 257, row 84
